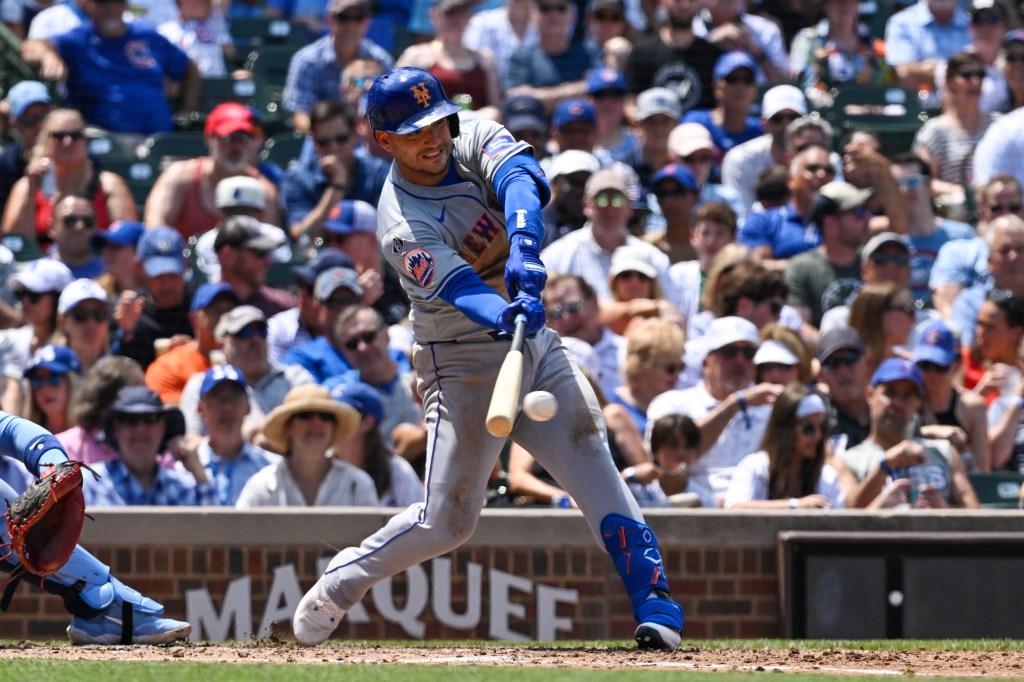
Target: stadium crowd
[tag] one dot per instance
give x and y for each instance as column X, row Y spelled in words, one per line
column 785, row 243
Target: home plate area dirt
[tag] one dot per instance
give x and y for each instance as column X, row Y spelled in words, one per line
column 987, row 664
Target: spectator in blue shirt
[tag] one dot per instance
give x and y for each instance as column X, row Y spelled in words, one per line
column 735, row 88
column 336, row 289
column 116, row 72
column 230, row 460
column 922, row 36
column 339, row 170
column 139, row 427
column 315, row 71
column 778, row 234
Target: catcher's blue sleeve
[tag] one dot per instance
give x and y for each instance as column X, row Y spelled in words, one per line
column 29, row 442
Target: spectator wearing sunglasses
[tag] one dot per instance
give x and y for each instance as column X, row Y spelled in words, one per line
column 83, row 319
column 588, row 251
column 184, row 195
column 845, row 374
column 52, row 378
column 335, row 290
column 362, row 337
column 885, row 259
column 837, row 50
column 963, row 264
column 636, row 293
column 947, row 142
column 572, row 310
column 72, row 226
column 117, row 73
column 729, row 408
column 242, row 333
column 934, row 469
column 244, row 246
column 927, row 232
column 778, row 234
column 139, row 427
column 791, row 470
column 36, row 287
column 829, row 274
column 303, row 429
column 339, row 169
column 744, row 163
column 949, row 411
column 730, row 123
column 315, row 71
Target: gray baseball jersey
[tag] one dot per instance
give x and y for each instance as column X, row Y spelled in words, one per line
column 429, row 234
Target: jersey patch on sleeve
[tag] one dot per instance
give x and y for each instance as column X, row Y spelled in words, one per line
column 420, row 266
column 497, row 144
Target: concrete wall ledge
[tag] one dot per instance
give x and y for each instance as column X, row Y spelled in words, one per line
column 344, row 526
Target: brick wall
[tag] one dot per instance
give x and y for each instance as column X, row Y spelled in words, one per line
column 723, row 567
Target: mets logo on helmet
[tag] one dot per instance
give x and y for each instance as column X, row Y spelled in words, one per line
column 422, row 95
column 420, row 265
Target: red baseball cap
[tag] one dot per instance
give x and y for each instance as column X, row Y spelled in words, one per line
column 232, row 117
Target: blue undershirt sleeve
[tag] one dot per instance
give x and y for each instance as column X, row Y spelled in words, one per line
column 473, row 298
column 523, row 190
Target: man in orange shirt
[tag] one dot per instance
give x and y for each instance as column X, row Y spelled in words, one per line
column 169, row 372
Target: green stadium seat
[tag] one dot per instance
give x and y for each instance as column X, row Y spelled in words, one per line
column 250, row 32
column 269, row 64
column 283, row 149
column 997, row 489
column 164, row 148
column 894, row 113
column 139, row 175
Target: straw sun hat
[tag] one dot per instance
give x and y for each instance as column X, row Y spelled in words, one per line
column 308, row 398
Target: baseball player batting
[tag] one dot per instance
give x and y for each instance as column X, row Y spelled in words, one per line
column 103, row 610
column 460, row 221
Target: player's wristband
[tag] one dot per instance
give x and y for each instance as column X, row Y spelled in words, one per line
column 629, row 473
column 885, row 468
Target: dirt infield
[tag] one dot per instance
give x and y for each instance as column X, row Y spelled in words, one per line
column 989, row 664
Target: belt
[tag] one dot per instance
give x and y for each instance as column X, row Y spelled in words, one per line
column 490, row 336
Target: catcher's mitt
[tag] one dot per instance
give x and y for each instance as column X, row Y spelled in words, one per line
column 45, row 521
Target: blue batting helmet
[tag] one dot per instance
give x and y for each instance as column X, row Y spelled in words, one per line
column 406, row 99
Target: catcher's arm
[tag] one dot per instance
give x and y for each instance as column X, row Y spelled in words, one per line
column 37, row 448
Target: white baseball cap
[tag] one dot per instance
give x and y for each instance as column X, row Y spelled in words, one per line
column 722, row 332
column 240, row 191
column 783, row 97
column 687, row 138
column 775, row 352
column 78, row 291
column 573, row 161
column 632, row 257
column 41, row 275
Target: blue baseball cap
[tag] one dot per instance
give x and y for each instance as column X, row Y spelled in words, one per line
column 605, row 79
column 205, row 294
column 935, row 343
column 524, row 112
column 731, row 61
column 56, row 359
column 161, row 251
column 25, row 94
column 351, row 216
column 574, row 111
column 895, row 369
column 120, row 233
column 218, row 374
column 325, row 260
column 679, row 173
column 363, row 397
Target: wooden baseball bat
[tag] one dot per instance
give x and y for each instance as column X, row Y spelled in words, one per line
column 505, row 398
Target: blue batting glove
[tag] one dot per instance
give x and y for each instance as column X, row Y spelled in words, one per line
column 527, row 305
column 524, row 273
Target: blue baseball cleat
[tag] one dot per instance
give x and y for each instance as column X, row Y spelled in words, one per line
column 653, row 632
column 128, row 618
